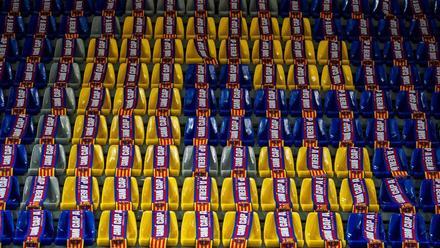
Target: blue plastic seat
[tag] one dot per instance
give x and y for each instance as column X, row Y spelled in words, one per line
column 422, row 27
column 381, row 131
column 391, row 27
column 76, row 225
column 319, row 6
column 409, row 227
column 12, row 198
column 359, row 227
column 237, row 100
column 74, row 26
column 305, row 102
column 201, row 130
column 398, row 50
column 346, row 132
column 42, row 24
column 427, row 53
column 419, row 132
column 376, row 103
column 12, row 25
column 402, row 196
column 327, row 27
column 270, row 100
column 274, row 130
column 371, row 76
column 31, row 74
column 428, row 196
column 7, row 230
column 202, row 100
column 201, row 73
column 285, row 8
column 235, row 74
column 355, row 28
column 17, row 129
column 434, row 231
column 389, row 162
column 236, row 130
column 338, row 103
column 22, row 100
column 405, row 77
column 33, row 220
column 409, row 103
column 425, row 160
column 308, row 130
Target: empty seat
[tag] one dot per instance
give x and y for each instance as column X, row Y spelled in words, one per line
column 160, row 193
column 80, row 193
column 318, row 194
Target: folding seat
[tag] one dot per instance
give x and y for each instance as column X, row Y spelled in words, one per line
column 352, row 162
column 412, row 104
column 428, row 53
column 80, row 193
column 14, row 160
column 169, row 26
column 34, row 228
column 337, row 77
column 74, row 26
column 365, row 229
column 102, row 6
column 163, row 130
column 164, row 101
column 12, row 26
column 200, row 160
column 420, row 133
column 199, row 101
column 238, row 161
column 391, row 27
column 407, row 229
column 117, row 228
column 123, row 160
column 200, row 50
column 239, row 194
column 286, row 8
column 423, row 29
column 48, row 160
column 90, row 129
column 309, row 132
column 431, row 79
column 42, row 25
column 99, row 75
column 235, row 101
column 17, row 129
column 256, row 7
column 199, row 228
column 346, row 132
column 429, row 195
column 236, row 130
column 341, row 103
column 327, row 29
column 76, row 227
column 323, row 7
column 163, row 6
column 30, row 74
column 397, row 195
column 160, row 193
column 318, row 194
column 22, row 100
column 6, row 73
column 425, row 163
column 159, row 228
column 168, row 50
column 11, row 198
column 358, row 195
column 235, row 76
column 127, row 129
column 233, row 27
column 102, row 49
column 130, row 99
column 167, row 74
column 274, row 130
column 120, row 193
column 65, row 74
column 376, row 103
column 389, row 162
column 398, row 52
column 324, row 229
column 387, row 9
column 58, row 100
column 296, row 27
column 200, row 25
column 41, row 193
column 278, row 194
column 133, row 74
column 333, row 52
column 298, row 51
column 241, row 228
column 274, row 161
column 234, row 51
column 270, row 102
column 417, row 8
column 85, row 160
column 105, row 26
column 85, row 8
column 201, row 130
column 371, row 77
column 283, row 228
column 136, row 26
column 194, row 6
column 433, row 231
column 200, row 76
column 53, row 129
column 162, row 160
column 358, row 29
column 382, row 133
column 200, row 193
column 37, row 49
column 355, row 9
column 365, row 50
column 135, row 49
column 7, row 223
column 267, row 52
column 313, row 162
column 264, row 27
column 303, row 76
column 143, row 6
column 405, row 78
column 226, row 7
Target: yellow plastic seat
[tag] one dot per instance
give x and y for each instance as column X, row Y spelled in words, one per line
column 122, row 127
column 223, row 28
column 130, row 98
column 107, row 49
column 303, row 162
column 227, row 51
column 175, row 51
column 162, row 73
column 159, row 28
column 342, row 159
column 296, row 50
column 163, row 130
column 268, row 202
column 189, row 226
column 346, row 197
column 79, row 157
column 189, row 191
column 95, row 132
column 267, row 71
column 137, row 25
column 171, row 162
column 70, row 192
column 126, row 188
column 192, row 56
column 255, row 28
column 118, row 157
column 312, row 230
column 135, row 49
column 230, row 224
column 340, row 50
column 306, row 199
column 341, row 77
column 273, row 49
column 146, row 228
column 164, row 101
column 133, row 74
column 94, row 99
column 301, row 26
column 210, row 28
column 105, row 227
column 228, row 199
column 299, row 76
column 271, row 238
column 172, row 192
column 264, row 168
column 99, row 74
